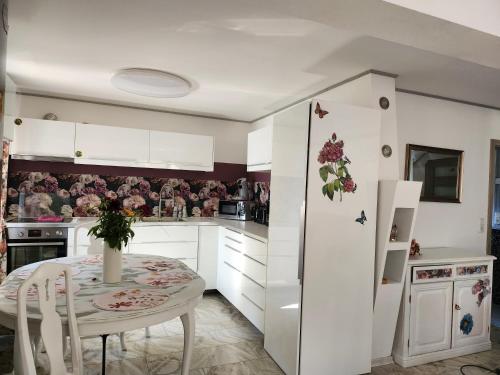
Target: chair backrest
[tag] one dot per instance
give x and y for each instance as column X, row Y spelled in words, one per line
column 44, row 278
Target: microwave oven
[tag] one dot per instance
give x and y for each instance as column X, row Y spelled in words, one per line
column 236, row 210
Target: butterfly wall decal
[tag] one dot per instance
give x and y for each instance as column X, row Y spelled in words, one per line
column 362, row 218
column 321, row 113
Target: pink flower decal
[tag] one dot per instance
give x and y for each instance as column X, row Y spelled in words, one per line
column 334, row 164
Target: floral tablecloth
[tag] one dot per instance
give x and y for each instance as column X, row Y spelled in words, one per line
column 185, row 284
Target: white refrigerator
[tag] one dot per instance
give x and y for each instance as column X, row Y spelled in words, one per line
column 321, row 249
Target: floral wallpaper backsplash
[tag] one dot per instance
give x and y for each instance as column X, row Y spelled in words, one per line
column 80, row 194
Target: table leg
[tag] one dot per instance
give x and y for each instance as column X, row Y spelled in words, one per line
column 103, row 367
column 188, row 323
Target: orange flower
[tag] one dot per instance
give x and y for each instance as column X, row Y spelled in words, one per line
column 129, row 212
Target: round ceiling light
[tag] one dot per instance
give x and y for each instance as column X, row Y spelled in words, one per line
column 150, row 82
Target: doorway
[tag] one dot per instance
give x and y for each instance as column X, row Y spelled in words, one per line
column 493, row 239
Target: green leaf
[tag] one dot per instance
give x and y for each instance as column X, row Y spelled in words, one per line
column 325, row 189
column 323, row 172
column 330, row 169
column 330, row 190
column 340, row 172
column 336, row 185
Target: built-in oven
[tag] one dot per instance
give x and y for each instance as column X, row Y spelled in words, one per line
column 27, row 245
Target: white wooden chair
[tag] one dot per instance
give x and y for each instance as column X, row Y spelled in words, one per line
column 44, row 278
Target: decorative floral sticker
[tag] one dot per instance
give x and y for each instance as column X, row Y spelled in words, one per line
column 466, row 324
column 335, row 164
column 482, row 289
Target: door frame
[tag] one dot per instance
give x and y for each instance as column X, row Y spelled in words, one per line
column 494, row 144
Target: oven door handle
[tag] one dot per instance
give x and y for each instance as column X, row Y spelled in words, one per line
column 19, row 244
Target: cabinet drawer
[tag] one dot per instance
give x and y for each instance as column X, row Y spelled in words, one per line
column 253, row 291
column 165, row 233
column 232, row 256
column 429, row 274
column 234, row 237
column 169, row 250
column 254, row 270
column 252, row 312
column 471, row 270
column 191, row 263
column 255, row 249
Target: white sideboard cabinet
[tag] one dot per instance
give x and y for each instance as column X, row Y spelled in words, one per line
column 446, row 307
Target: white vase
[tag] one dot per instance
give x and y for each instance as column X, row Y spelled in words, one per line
column 112, row 265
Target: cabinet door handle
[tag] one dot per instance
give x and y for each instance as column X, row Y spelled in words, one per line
column 78, row 154
column 18, row 121
column 457, row 307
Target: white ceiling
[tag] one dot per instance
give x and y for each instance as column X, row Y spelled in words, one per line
column 245, row 58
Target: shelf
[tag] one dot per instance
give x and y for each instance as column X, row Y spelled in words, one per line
column 394, row 246
column 403, row 219
column 394, row 265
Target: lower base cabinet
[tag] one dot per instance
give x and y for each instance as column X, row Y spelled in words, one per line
column 241, row 276
column 445, row 312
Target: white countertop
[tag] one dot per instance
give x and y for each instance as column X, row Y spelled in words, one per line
column 252, row 229
column 446, row 255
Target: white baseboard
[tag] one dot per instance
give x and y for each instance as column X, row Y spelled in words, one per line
column 440, row 355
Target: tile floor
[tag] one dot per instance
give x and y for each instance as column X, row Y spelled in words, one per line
column 227, row 344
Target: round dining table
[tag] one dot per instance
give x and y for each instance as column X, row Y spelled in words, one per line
column 101, row 308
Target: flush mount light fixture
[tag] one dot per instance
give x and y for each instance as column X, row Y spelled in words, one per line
column 150, row 82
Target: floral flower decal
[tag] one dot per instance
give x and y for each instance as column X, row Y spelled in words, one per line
column 466, row 324
column 335, row 164
column 481, row 289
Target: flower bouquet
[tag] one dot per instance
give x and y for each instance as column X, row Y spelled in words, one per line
column 114, row 226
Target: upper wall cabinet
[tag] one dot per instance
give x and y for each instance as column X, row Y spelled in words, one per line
column 42, row 138
column 110, row 145
column 259, row 151
column 181, row 151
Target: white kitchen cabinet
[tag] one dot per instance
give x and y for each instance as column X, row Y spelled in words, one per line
column 430, row 317
column 259, row 149
column 208, row 249
column 181, row 151
column 110, row 145
column 466, row 303
column 241, row 274
column 171, row 241
column 42, row 138
column 438, row 294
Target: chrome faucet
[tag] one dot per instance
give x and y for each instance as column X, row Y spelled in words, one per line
column 159, row 205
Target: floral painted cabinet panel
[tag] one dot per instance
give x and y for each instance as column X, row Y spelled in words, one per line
column 430, row 317
column 471, row 312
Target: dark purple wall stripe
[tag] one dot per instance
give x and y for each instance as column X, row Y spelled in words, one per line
column 222, row 171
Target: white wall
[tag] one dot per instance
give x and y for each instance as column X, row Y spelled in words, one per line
column 432, row 122
column 230, row 136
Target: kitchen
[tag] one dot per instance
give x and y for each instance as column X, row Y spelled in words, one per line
column 270, row 198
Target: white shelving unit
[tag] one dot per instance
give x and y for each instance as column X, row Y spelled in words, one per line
column 397, row 204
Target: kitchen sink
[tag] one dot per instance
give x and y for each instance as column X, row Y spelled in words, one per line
column 156, row 219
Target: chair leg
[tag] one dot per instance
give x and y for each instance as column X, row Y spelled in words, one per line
column 188, row 323
column 148, row 333
column 122, row 341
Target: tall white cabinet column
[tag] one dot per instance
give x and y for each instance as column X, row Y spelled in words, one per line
column 319, row 303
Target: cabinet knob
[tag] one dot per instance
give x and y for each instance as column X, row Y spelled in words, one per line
column 457, row 307
column 18, row 121
column 78, row 154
